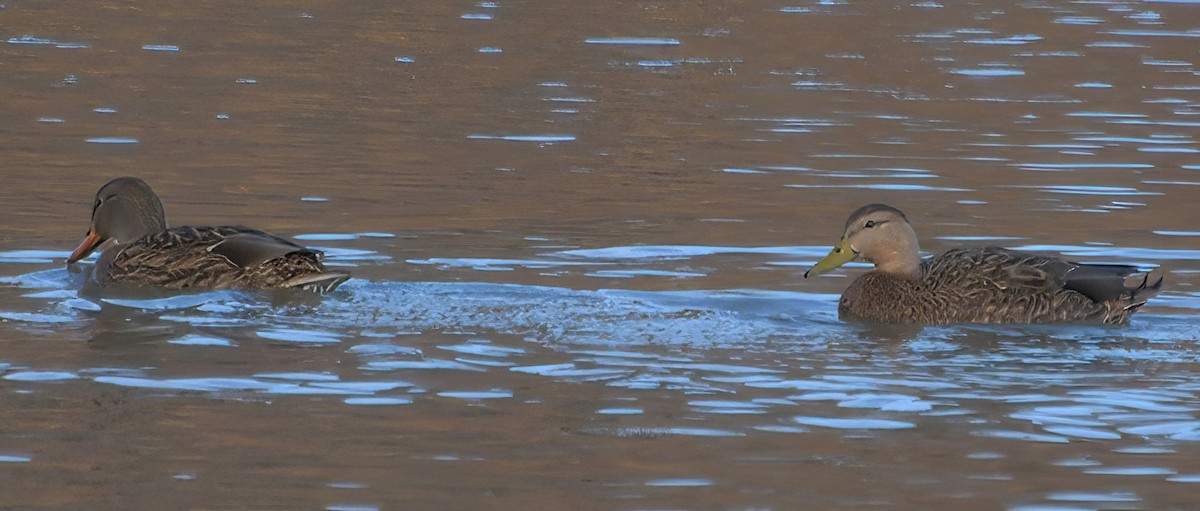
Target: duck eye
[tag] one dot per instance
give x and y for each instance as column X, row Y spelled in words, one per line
column 870, row 224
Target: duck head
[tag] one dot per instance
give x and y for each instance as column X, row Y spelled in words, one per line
column 879, row 234
column 125, row 209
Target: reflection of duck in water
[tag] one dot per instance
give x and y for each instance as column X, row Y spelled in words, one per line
column 138, row 249
column 974, row 285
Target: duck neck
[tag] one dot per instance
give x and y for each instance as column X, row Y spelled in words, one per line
column 901, row 257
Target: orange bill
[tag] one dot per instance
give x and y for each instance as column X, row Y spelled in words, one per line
column 89, row 243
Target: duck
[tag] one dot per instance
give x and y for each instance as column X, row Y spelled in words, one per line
column 974, row 284
column 137, row 249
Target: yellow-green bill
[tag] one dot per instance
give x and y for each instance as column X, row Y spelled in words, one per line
column 841, row 254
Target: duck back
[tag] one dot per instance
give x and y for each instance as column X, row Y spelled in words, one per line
column 215, row 258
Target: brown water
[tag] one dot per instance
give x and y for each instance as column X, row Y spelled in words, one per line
column 579, row 230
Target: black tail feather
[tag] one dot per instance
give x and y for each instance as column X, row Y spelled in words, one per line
column 1106, row 282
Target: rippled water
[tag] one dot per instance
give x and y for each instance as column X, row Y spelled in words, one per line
column 578, row 233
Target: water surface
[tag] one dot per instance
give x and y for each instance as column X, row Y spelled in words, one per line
column 578, row 232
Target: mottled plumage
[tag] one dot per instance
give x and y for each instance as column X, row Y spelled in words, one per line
column 993, row 285
column 976, row 285
column 190, row 257
column 138, row 249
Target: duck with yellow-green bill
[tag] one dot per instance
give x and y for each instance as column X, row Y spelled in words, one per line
column 974, row 285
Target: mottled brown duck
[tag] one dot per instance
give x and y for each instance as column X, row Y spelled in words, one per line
column 137, row 249
column 974, row 285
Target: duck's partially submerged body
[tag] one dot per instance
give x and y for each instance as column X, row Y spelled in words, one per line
column 129, row 227
column 995, row 285
column 975, row 285
column 223, row 257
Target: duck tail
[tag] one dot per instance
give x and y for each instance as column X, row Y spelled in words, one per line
column 1145, row 284
column 319, row 283
column 1108, row 282
column 1142, row 286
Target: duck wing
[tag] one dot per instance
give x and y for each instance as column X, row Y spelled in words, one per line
column 250, row 248
column 1019, row 271
column 993, row 268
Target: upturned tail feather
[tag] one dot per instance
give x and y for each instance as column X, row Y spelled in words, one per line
column 1140, row 284
column 1107, row 282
